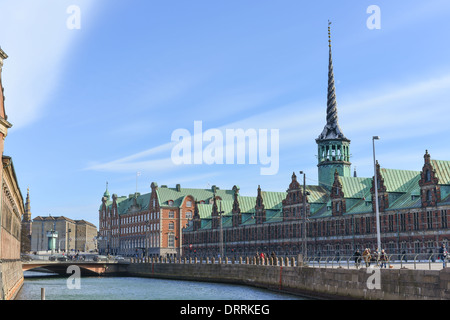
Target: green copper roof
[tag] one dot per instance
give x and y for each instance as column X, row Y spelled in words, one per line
column 399, row 180
column 125, row 204
column 316, row 194
column 442, row 170
column 355, row 187
column 272, row 204
column 177, row 195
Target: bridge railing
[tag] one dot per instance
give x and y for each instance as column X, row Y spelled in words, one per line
column 75, row 258
column 279, row 261
column 423, row 261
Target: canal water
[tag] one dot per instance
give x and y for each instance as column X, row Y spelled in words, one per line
column 130, row 288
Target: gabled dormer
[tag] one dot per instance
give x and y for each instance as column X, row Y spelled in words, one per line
column 154, row 199
column 196, row 220
column 260, row 212
column 430, row 191
column 215, row 214
column 114, row 206
column 293, row 199
column 236, row 211
column 338, row 205
column 383, row 197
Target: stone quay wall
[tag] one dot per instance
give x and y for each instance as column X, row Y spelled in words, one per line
column 322, row 283
column 11, row 278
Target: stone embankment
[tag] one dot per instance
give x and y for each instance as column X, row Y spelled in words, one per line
column 286, row 276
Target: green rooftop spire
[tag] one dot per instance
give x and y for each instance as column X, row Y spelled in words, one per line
column 106, row 194
column 333, row 146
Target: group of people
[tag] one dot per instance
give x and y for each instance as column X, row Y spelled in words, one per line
column 381, row 258
column 262, row 255
column 378, row 258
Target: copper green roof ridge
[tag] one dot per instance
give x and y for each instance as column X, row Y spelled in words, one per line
column 177, row 195
column 397, row 180
column 442, row 168
column 355, row 187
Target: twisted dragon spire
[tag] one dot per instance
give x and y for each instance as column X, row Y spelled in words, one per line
column 332, row 129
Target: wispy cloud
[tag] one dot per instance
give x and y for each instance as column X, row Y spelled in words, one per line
column 394, row 112
column 35, row 36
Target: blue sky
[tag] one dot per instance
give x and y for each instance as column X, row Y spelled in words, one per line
column 100, row 103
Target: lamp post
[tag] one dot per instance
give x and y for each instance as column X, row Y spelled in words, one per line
column 377, row 210
column 304, row 216
column 221, row 230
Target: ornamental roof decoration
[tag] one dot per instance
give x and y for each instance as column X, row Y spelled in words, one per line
column 332, row 129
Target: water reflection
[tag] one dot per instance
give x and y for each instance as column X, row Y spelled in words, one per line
column 131, row 288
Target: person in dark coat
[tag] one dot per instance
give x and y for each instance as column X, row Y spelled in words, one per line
column 357, row 256
column 444, row 254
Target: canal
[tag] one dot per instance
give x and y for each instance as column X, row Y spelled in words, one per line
column 131, row 288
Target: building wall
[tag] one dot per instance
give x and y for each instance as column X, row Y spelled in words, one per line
column 86, row 235
column 156, row 231
column 71, row 236
column 407, row 230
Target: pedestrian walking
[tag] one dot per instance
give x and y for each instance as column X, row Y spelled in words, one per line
column 444, row 255
column 383, row 259
column 366, row 257
column 357, row 257
column 376, row 257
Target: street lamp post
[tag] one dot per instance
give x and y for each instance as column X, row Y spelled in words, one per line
column 221, row 230
column 304, row 216
column 377, row 210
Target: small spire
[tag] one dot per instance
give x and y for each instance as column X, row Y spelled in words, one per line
column 27, row 214
column 329, row 33
column 106, row 194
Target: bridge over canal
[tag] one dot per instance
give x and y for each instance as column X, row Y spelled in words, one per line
column 87, row 268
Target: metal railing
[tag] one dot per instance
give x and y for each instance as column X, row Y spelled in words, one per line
column 84, row 257
column 430, row 261
column 421, row 261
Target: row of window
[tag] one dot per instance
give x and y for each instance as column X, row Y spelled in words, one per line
column 170, row 203
column 187, row 215
column 148, row 242
column 395, row 222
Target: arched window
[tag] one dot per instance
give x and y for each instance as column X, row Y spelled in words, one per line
column 427, row 176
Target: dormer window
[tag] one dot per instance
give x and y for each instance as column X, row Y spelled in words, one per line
column 429, row 195
column 170, row 202
column 427, row 176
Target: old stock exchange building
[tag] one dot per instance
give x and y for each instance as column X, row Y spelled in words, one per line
column 340, row 210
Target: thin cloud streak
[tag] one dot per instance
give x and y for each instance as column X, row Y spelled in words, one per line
column 300, row 122
column 37, row 41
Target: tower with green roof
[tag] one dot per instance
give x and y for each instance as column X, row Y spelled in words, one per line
column 333, row 147
column 106, row 194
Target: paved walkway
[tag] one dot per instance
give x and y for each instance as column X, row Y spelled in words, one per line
column 418, row 265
